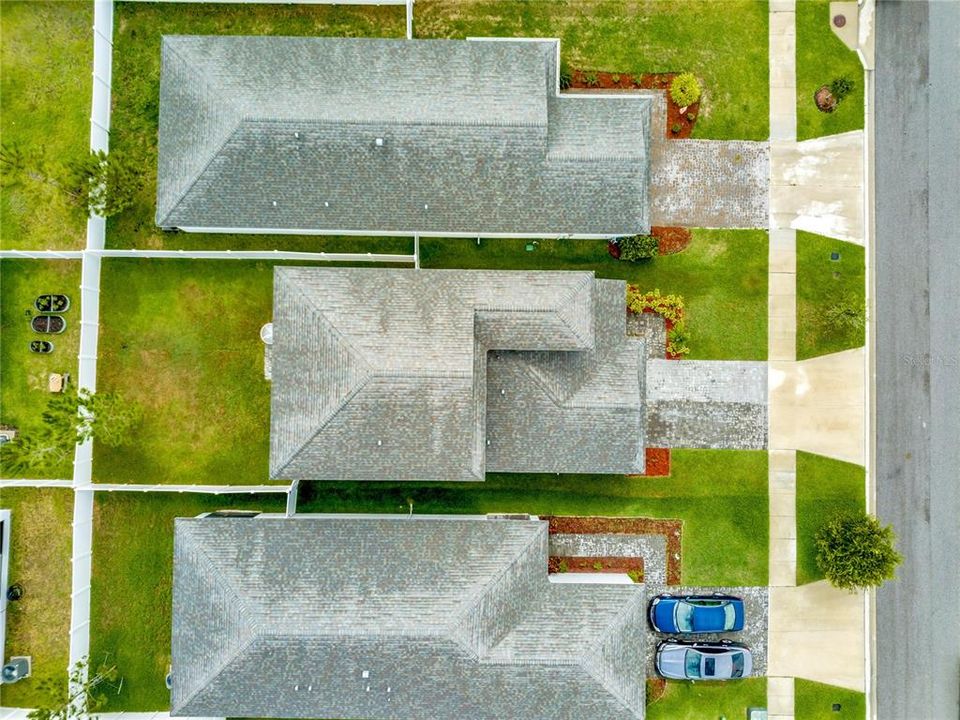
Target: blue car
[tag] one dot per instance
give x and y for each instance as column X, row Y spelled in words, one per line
column 692, row 614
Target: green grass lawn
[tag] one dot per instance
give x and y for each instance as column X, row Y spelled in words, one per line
column 723, row 42
column 181, row 337
column 23, row 374
column 822, row 283
column 136, row 91
column 822, row 57
column 132, row 584
column 721, row 495
column 39, row 624
column 708, row 701
column 722, row 277
column 825, row 487
column 814, row 701
column 46, row 51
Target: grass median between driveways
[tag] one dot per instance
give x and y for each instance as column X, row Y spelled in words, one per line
column 822, row 284
column 723, row 42
column 24, row 374
column 132, row 585
column 136, row 99
column 825, row 488
column 721, row 496
column 697, row 701
column 46, row 55
column 38, row 625
column 815, row 701
column 722, row 277
column 821, row 58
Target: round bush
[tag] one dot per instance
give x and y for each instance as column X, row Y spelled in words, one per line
column 636, row 248
column 685, row 90
column 856, row 551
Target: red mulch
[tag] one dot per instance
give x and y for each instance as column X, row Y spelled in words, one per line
column 588, row 564
column 661, row 81
column 656, row 687
column 670, row 240
column 672, row 530
column 657, row 462
column 647, row 81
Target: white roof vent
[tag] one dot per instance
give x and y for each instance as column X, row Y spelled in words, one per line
column 378, row 142
column 365, row 674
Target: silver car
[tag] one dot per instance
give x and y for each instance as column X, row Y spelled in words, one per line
column 724, row 660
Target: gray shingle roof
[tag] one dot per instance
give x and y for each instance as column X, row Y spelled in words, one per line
column 384, row 374
column 449, row 617
column 473, row 130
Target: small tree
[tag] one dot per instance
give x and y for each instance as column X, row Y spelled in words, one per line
column 841, row 87
column 637, row 248
column 847, row 312
column 83, row 695
column 104, row 184
column 105, row 417
column 856, row 551
column 685, row 90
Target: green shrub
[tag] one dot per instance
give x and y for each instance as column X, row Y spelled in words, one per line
column 691, row 117
column 856, row 551
column 685, row 90
column 635, row 575
column 677, row 340
column 563, row 566
column 676, row 128
column 566, row 76
column 592, row 79
column 615, row 79
column 637, row 248
column 841, row 87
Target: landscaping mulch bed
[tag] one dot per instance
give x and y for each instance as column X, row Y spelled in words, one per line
column 596, row 80
column 671, row 240
column 656, row 687
column 661, row 81
column 657, row 462
column 622, row 565
column 672, row 530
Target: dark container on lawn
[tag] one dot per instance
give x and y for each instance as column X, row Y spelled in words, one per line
column 42, row 347
column 53, row 324
column 52, row 303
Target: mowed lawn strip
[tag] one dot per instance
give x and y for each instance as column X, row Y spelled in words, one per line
column 24, row 374
column 821, row 284
column 721, row 496
column 723, row 42
column 825, row 488
column 38, row 624
column 136, row 99
column 815, row 701
column 821, row 58
column 133, row 581
column 46, row 56
column 722, row 277
column 698, row 701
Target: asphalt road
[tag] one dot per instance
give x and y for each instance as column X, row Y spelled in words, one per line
column 918, row 355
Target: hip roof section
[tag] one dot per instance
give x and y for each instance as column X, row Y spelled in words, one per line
column 402, row 136
column 438, row 617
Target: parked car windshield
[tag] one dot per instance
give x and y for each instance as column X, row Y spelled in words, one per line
column 693, row 664
column 684, row 617
column 737, row 670
column 729, row 615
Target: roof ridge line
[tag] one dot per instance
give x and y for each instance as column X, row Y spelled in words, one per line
column 213, row 676
column 470, row 603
